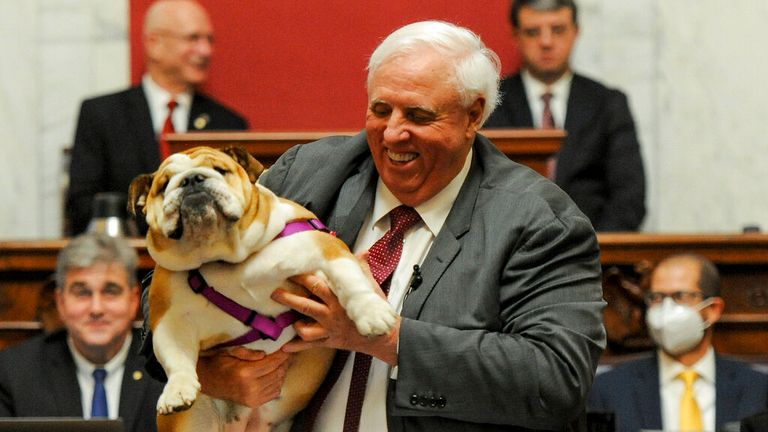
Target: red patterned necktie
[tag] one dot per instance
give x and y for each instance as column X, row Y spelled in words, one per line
column 383, row 258
column 548, row 122
column 165, row 149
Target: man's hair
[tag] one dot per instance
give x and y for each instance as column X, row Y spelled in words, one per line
column 88, row 249
column 709, row 276
column 476, row 67
column 540, row 5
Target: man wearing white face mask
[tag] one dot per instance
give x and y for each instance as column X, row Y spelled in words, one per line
column 685, row 385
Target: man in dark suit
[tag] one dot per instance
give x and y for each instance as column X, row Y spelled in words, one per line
column 501, row 323
column 647, row 393
column 97, row 298
column 599, row 164
column 118, row 135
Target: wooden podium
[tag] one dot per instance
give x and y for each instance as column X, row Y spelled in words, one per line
column 531, row 147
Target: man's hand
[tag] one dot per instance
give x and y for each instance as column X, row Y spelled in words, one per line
column 247, row 377
column 331, row 327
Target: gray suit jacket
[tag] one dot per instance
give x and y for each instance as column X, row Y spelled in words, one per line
column 38, row 378
column 631, row 392
column 506, row 328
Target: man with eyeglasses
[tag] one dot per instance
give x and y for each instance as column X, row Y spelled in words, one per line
column 684, row 385
column 120, row 135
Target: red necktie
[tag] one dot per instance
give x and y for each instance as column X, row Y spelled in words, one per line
column 548, row 122
column 165, row 149
column 383, row 258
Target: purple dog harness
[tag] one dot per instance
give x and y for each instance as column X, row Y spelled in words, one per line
column 261, row 327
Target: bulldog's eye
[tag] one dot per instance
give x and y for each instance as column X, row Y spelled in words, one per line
column 221, row 171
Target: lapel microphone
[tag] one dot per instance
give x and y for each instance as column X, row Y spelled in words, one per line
column 416, row 278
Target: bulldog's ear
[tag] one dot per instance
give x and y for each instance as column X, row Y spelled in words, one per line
column 253, row 167
column 137, row 193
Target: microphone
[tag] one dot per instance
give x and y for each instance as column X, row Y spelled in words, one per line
column 416, row 278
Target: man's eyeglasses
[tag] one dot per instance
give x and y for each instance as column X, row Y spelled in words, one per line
column 679, row 297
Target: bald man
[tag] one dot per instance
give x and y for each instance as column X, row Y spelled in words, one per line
column 117, row 135
column 684, row 303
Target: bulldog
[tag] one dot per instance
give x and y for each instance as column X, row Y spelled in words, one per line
column 222, row 243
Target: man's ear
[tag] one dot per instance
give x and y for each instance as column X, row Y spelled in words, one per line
column 253, row 167
column 475, row 112
column 137, row 193
column 714, row 311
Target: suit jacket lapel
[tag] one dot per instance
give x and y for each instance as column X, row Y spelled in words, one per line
column 140, row 128
column 520, row 110
column 61, row 374
column 447, row 244
column 647, row 395
column 134, row 387
column 355, row 200
column 728, row 392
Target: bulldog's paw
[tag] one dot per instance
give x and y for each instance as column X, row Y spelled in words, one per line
column 371, row 314
column 178, row 394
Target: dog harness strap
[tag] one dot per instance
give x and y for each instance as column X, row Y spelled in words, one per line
column 261, row 326
column 298, row 226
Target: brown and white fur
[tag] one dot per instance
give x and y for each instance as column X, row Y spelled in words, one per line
column 204, row 210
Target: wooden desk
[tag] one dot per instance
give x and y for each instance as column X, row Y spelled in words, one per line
column 742, row 259
column 531, row 147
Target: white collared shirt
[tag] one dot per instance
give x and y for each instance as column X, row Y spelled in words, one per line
column 672, row 390
column 158, row 98
column 416, row 245
column 560, row 91
column 112, row 383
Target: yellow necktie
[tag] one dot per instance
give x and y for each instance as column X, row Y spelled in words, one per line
column 690, row 414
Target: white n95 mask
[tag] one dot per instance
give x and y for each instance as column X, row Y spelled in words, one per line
column 676, row 328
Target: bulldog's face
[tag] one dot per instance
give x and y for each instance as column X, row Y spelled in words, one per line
column 197, row 199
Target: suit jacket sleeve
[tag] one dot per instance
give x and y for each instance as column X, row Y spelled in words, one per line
column 625, row 206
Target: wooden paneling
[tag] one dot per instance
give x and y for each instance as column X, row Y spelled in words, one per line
column 742, row 259
column 531, row 147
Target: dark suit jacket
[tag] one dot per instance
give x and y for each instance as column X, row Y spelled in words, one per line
column 38, row 378
column 755, row 423
column 115, row 142
column 599, row 165
column 631, row 391
column 506, row 327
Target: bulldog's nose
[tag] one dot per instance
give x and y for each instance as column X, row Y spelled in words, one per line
column 192, row 180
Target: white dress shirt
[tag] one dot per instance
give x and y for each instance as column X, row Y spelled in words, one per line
column 672, row 390
column 112, row 383
column 416, row 245
column 560, row 91
column 158, row 98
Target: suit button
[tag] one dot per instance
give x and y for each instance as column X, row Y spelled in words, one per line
column 423, row 401
column 414, row 399
column 433, row 402
column 441, row 402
